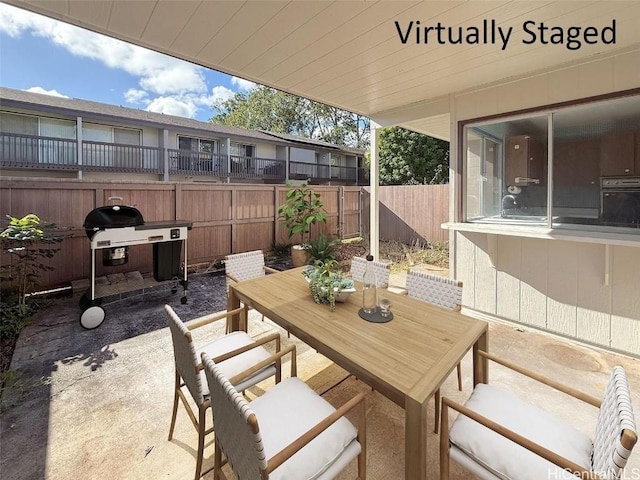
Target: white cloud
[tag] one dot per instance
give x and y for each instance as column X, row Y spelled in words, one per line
column 242, row 84
column 53, row 93
column 135, row 96
column 172, row 106
column 166, row 84
column 159, row 74
column 220, row 93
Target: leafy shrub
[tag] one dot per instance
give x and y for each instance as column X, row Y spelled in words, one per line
column 28, row 240
column 302, row 208
column 322, row 249
column 281, row 250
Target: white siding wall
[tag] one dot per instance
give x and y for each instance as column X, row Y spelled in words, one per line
column 552, row 284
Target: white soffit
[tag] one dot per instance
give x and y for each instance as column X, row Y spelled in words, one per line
column 349, row 54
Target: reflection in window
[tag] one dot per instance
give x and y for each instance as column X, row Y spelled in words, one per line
column 506, row 171
column 595, row 160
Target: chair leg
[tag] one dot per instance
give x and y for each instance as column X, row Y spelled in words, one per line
column 202, row 410
column 436, row 397
column 362, row 438
column 175, row 405
column 217, row 461
column 459, row 377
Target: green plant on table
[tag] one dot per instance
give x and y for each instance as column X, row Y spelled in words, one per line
column 326, row 282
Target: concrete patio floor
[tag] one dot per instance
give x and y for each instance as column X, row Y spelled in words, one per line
column 104, row 411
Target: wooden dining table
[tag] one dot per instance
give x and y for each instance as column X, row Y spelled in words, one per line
column 406, row 359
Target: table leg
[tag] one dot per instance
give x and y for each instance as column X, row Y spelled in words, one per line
column 481, row 364
column 233, row 302
column 415, row 443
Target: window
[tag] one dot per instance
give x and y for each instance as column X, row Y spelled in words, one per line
column 593, row 147
column 23, row 140
column 198, row 154
column 242, row 150
column 108, row 146
column 242, row 161
column 18, row 137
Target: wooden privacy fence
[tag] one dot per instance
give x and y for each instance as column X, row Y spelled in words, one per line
column 227, row 218
column 410, row 213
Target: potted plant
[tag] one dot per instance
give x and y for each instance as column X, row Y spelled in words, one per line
column 327, row 283
column 301, row 209
column 322, row 248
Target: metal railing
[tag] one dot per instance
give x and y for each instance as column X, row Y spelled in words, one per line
column 255, row 167
column 31, row 151
column 302, row 170
column 121, row 158
column 187, row 162
column 28, row 151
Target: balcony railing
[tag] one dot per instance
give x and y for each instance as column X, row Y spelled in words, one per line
column 302, row 171
column 29, row 151
column 121, row 158
column 187, row 162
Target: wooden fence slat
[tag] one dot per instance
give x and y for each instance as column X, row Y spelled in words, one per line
column 227, row 218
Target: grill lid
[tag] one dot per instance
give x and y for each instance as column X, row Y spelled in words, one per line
column 112, row 216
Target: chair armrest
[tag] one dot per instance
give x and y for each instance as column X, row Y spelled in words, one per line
column 295, row 446
column 231, row 277
column 271, row 270
column 257, row 343
column 266, row 362
column 207, row 319
column 533, row 447
column 542, row 379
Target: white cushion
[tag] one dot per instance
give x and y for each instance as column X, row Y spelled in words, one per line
column 287, row 411
column 507, row 459
column 239, row 363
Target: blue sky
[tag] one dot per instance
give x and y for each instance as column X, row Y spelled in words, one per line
column 46, row 56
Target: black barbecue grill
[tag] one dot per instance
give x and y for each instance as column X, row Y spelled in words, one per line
column 113, row 229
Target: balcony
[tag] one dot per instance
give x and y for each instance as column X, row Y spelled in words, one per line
column 321, row 173
column 31, row 152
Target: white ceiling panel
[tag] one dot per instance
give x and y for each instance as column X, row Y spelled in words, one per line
column 293, row 17
column 202, row 26
column 348, row 53
column 249, row 19
column 167, row 22
column 311, row 33
column 129, row 18
column 94, row 13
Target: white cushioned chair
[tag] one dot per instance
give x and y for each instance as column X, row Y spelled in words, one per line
column 239, row 267
column 236, row 352
column 499, row 436
column 440, row 291
column 290, row 432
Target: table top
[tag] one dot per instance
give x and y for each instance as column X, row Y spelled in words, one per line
column 409, row 356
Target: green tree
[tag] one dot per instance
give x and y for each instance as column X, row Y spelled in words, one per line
column 264, row 108
column 410, row 158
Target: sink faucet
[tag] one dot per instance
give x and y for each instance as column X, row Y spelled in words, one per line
column 509, row 202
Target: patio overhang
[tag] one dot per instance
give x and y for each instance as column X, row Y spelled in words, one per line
column 386, row 60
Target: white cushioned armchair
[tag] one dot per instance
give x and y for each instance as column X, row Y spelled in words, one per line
column 500, row 436
column 289, row 433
